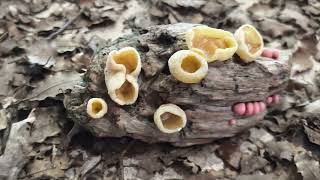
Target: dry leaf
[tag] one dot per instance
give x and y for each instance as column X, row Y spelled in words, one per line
column 281, row 149
column 4, row 118
column 230, row 152
column 68, row 42
column 275, row 29
column 313, row 134
column 54, row 8
column 260, row 135
column 39, row 125
column 167, row 173
column 7, row 71
column 307, row 166
column 250, row 164
column 18, row 145
column 256, row 177
column 206, row 159
column 88, row 165
column 48, row 167
column 292, row 14
column 54, row 84
column 196, row 4
column 308, row 76
column 46, row 124
column 41, row 53
column 261, row 11
column 313, row 107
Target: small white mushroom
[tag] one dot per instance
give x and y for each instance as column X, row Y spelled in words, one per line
column 188, row 66
column 170, row 118
column 96, row 108
column 250, row 43
column 214, row 44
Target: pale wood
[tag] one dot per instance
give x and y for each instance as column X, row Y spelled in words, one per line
column 208, row 104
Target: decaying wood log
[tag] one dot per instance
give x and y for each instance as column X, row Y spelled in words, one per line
column 208, row 104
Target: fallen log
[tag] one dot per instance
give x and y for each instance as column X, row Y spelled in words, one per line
column 208, row 104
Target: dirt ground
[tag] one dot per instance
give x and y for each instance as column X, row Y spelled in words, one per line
column 45, row 48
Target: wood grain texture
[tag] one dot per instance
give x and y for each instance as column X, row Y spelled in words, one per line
column 208, row 104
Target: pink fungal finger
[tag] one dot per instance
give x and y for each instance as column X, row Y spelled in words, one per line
column 275, row 54
column 239, row 108
column 267, row 53
column 269, row 99
column 232, row 122
column 262, row 106
column 249, row 109
column 276, row 98
column 256, row 107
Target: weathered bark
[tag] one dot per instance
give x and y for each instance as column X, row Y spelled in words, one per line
column 208, row 104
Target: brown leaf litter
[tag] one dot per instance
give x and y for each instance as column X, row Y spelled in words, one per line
column 45, row 47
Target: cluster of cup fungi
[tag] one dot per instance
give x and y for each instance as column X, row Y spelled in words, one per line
column 205, row 45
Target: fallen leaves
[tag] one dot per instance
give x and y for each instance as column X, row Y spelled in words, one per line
column 196, row 4
column 54, row 84
column 39, row 125
column 206, row 160
column 41, row 53
column 276, row 29
column 307, row 166
column 48, row 166
column 34, row 147
column 294, row 14
column 103, row 10
column 7, row 72
column 4, row 117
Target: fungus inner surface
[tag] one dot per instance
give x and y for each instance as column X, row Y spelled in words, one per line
column 126, row 91
column 96, row 107
column 128, row 58
column 252, row 39
column 190, row 64
column 171, row 121
column 208, row 44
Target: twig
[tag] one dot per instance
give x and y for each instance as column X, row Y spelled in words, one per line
column 30, row 174
column 3, row 36
column 128, row 147
column 121, row 158
column 53, row 35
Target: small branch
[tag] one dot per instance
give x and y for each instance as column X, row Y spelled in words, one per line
column 3, row 36
column 64, row 27
column 30, row 174
column 128, row 147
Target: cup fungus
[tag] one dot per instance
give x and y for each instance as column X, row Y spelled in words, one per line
column 170, row 118
column 96, row 108
column 124, row 92
column 214, row 44
column 188, row 66
column 126, row 60
column 250, row 42
column 121, row 75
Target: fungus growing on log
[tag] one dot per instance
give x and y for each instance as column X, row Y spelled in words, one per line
column 214, row 44
column 123, row 91
column 126, row 60
column 208, row 105
column 250, row 43
column 188, row 66
column 96, row 108
column 121, row 75
column 170, row 118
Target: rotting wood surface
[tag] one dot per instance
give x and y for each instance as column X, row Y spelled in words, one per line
column 208, row 104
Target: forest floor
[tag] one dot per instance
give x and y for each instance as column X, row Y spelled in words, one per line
column 44, row 46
